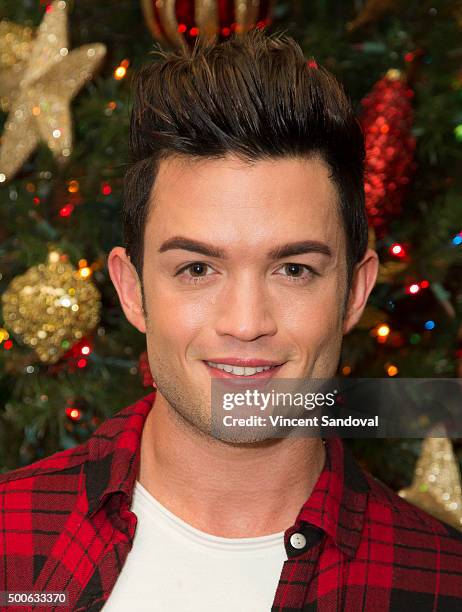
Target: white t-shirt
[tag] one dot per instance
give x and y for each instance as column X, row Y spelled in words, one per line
column 173, row 567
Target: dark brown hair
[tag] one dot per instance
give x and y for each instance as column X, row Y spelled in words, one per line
column 256, row 97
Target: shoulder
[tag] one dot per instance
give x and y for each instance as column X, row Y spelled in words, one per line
column 57, row 473
column 120, row 431
column 408, row 527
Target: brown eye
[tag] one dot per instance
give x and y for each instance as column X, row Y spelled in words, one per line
column 296, row 272
column 294, row 269
column 197, row 269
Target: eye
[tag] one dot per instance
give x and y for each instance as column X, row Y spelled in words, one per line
column 197, row 269
column 299, row 272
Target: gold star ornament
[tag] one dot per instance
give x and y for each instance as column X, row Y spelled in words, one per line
column 436, row 487
column 39, row 104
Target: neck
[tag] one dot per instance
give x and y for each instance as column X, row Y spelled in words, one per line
column 226, row 490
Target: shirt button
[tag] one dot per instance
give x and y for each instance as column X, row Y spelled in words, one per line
column 298, row 540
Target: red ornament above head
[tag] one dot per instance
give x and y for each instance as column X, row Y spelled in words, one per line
column 180, row 22
column 387, row 119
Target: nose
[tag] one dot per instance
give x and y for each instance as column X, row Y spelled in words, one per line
column 245, row 309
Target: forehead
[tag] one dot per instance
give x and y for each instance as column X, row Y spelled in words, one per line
column 228, row 200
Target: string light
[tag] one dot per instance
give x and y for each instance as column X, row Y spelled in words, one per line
column 81, row 363
column 430, row 324
column 381, row 333
column 383, row 330
column 392, row 370
column 73, row 413
column 457, row 239
column 121, row 70
column 414, row 288
column 106, row 189
column 8, row 345
column 85, row 272
column 397, row 250
column 346, row 370
column 110, row 108
column 66, row 210
column 73, row 186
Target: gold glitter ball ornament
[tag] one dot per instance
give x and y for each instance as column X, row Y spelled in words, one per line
column 51, row 307
column 436, row 487
column 39, row 103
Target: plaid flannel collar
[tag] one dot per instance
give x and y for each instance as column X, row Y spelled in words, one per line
column 337, row 504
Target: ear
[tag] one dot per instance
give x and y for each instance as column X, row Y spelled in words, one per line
column 364, row 277
column 126, row 281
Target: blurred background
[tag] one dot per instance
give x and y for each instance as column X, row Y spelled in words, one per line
column 68, row 357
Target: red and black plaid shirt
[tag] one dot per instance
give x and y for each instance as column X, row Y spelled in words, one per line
column 66, row 526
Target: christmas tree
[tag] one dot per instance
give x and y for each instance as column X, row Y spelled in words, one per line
column 65, row 72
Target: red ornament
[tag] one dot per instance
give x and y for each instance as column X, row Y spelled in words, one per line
column 75, row 358
column 145, row 370
column 387, row 119
column 181, row 24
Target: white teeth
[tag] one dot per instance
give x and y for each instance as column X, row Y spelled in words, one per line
column 238, row 370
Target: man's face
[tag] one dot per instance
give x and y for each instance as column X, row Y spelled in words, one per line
column 249, row 302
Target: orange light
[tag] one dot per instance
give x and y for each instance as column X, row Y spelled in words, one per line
column 346, row 370
column 392, row 370
column 120, row 72
column 383, row 331
column 85, row 272
column 73, row 186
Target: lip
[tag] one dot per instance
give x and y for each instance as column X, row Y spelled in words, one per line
column 249, row 363
column 217, row 373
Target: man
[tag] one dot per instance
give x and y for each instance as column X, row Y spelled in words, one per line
column 246, row 255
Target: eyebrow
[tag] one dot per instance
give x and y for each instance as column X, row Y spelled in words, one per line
column 284, row 250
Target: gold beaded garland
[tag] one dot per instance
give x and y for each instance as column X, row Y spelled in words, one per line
column 51, row 307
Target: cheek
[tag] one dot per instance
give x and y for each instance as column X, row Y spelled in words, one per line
column 175, row 315
column 311, row 313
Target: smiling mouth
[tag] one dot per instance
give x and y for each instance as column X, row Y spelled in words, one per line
column 224, row 370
